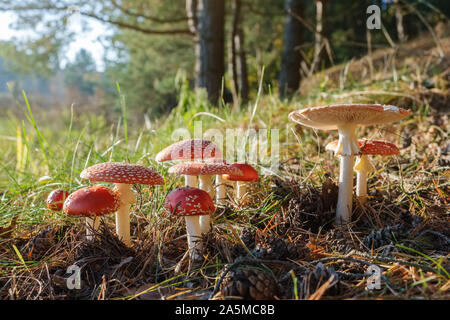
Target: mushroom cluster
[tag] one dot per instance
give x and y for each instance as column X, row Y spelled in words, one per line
column 199, row 160
column 346, row 118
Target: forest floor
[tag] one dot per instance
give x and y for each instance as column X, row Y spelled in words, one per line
column 282, row 243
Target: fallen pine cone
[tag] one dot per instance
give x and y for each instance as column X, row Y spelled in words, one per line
column 249, row 284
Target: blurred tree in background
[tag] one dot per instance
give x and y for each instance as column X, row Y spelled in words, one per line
column 220, row 45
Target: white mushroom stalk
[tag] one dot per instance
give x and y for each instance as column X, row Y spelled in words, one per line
column 123, row 213
column 363, row 167
column 194, row 236
column 221, row 190
column 347, row 148
column 190, row 181
column 241, row 190
column 206, row 185
column 92, row 226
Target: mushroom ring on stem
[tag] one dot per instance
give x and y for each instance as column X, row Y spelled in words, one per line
column 91, row 202
column 190, row 203
column 190, row 149
column 363, row 165
column 205, row 170
column 249, row 174
column 345, row 118
column 124, row 175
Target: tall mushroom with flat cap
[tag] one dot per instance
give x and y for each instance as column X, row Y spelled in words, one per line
column 91, row 202
column 249, row 174
column 123, row 175
column 363, row 165
column 191, row 149
column 345, row 118
column 205, row 170
column 190, row 203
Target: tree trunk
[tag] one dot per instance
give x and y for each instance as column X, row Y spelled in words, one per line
column 399, row 22
column 206, row 18
column 290, row 61
column 241, row 65
column 317, row 36
column 237, row 56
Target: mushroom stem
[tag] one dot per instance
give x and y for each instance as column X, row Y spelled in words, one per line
column 206, row 185
column 190, row 181
column 363, row 166
column 221, row 191
column 361, row 186
column 193, row 236
column 123, row 213
column 92, row 225
column 347, row 148
column 241, row 190
column 344, row 205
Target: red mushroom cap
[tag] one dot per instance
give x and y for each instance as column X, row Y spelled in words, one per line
column 205, row 168
column 122, row 173
column 248, row 173
column 370, row 147
column 189, row 150
column 92, row 201
column 56, row 198
column 187, row 201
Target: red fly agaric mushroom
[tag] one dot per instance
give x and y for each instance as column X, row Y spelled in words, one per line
column 248, row 174
column 190, row 149
column 123, row 175
column 92, row 202
column 204, row 170
column 190, row 203
column 56, row 198
column 345, row 118
column 363, row 165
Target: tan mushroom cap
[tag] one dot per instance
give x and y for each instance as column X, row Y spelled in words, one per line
column 370, row 147
column 189, row 150
column 122, row 173
column 332, row 116
column 205, row 168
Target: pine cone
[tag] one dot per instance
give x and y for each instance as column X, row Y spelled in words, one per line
column 248, row 237
column 382, row 237
column 40, row 243
column 316, row 278
column 336, row 241
column 274, row 248
column 249, row 284
column 309, row 213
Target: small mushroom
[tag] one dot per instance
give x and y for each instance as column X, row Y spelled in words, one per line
column 190, row 203
column 363, row 165
column 346, row 118
column 91, row 202
column 205, row 170
column 123, row 175
column 191, row 149
column 56, row 198
column 249, row 174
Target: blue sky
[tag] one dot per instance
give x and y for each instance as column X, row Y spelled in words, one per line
column 89, row 40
